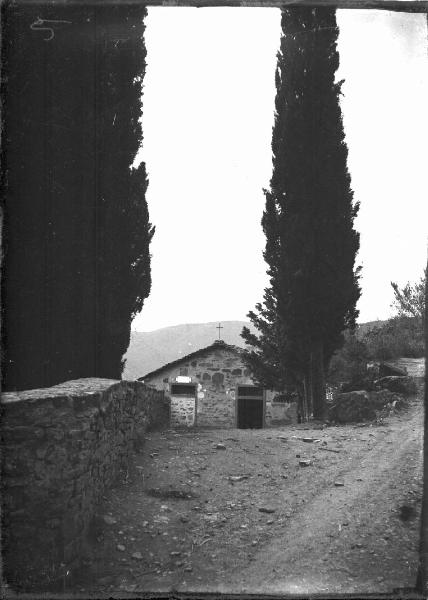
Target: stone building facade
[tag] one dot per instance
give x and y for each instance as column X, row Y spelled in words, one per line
column 213, row 387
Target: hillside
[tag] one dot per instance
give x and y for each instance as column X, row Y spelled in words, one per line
column 152, row 349
column 364, row 328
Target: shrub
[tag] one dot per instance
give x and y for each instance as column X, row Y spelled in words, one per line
column 401, row 385
column 352, row 407
column 350, row 362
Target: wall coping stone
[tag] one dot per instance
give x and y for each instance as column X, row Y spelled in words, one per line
column 91, row 386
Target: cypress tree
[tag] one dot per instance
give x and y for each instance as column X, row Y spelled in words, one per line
column 124, row 279
column 76, row 244
column 312, row 274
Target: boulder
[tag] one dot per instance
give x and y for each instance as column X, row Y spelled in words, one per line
column 399, row 384
column 362, row 383
column 352, row 407
column 382, row 398
column 387, row 369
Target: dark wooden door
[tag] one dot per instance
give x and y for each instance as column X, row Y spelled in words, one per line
column 250, row 407
column 250, row 413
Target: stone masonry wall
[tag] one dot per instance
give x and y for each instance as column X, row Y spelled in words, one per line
column 216, row 373
column 61, row 448
column 279, row 413
column 183, row 412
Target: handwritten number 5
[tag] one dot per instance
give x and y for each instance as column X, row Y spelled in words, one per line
column 40, row 25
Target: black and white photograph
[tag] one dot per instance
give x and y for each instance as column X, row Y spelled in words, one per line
column 213, row 292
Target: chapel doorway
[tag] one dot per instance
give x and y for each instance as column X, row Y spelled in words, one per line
column 249, row 407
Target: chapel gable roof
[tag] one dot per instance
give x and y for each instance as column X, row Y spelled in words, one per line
column 217, row 345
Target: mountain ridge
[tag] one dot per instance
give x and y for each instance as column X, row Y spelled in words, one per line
column 149, row 350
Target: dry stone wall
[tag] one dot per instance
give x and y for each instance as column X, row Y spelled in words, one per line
column 279, row 413
column 61, row 448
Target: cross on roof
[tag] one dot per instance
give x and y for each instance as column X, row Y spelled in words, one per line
column 219, row 326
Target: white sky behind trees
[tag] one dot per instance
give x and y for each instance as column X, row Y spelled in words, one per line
column 208, row 111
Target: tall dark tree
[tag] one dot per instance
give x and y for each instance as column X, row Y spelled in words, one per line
column 124, row 279
column 76, row 243
column 309, row 212
column 274, row 364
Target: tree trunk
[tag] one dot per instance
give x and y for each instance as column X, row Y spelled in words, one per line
column 422, row 578
column 304, row 403
column 310, row 392
column 318, row 381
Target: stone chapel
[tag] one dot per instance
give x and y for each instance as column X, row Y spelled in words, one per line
column 213, row 387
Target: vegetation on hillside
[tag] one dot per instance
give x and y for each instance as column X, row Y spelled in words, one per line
column 397, row 337
column 308, row 220
column 400, row 336
column 403, row 334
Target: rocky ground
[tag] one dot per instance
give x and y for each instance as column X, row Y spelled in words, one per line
column 288, row 510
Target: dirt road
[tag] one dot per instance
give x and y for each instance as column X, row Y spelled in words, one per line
column 237, row 511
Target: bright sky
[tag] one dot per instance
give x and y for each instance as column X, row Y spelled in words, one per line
column 208, row 115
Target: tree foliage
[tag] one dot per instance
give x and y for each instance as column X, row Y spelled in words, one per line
column 124, row 280
column 266, row 349
column 397, row 337
column 403, row 334
column 409, row 301
column 349, row 363
column 308, row 219
column 77, row 230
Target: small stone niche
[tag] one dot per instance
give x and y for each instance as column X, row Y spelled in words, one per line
column 218, row 379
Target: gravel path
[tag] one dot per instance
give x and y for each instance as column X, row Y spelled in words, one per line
column 353, row 538
column 236, row 511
